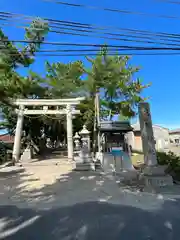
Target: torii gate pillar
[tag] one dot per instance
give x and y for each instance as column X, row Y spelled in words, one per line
column 18, row 133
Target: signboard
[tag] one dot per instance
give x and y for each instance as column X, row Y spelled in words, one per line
column 115, row 126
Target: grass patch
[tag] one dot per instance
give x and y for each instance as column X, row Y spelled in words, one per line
column 137, row 159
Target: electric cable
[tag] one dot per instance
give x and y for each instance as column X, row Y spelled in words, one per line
column 136, row 40
column 11, row 17
column 121, row 11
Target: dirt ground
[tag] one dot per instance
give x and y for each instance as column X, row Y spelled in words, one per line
column 39, row 174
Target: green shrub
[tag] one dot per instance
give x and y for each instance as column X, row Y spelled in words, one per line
column 3, row 152
column 172, row 161
column 169, row 159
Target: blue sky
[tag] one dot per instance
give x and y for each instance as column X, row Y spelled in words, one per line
column 162, row 71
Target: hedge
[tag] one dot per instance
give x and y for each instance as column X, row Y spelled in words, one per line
column 171, row 160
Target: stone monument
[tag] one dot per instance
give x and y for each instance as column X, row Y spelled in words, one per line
column 84, row 161
column 153, row 174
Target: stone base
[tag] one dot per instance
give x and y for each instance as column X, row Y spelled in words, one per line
column 154, row 170
column 85, row 166
column 126, row 176
column 158, row 181
column 155, row 176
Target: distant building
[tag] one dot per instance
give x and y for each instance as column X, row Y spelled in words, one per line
column 175, row 136
column 161, row 136
column 6, row 138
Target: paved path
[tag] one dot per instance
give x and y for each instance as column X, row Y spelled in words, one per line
column 67, row 205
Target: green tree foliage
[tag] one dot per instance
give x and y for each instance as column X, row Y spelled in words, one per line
column 114, row 78
column 13, row 85
column 64, row 80
column 11, row 58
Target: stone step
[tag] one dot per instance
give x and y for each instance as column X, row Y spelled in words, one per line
column 85, row 166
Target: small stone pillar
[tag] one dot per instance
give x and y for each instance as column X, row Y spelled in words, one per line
column 154, row 174
column 84, row 161
column 27, row 155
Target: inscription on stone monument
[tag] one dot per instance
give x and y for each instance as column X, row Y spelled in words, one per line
column 147, row 135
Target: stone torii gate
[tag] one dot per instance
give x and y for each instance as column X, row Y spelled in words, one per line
column 69, row 111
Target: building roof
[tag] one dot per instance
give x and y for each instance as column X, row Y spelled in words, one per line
column 177, row 130
column 156, row 125
column 115, row 126
column 7, row 138
column 136, row 127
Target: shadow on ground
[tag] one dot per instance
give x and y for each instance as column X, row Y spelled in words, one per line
column 69, row 188
column 76, row 187
column 87, row 221
column 52, row 154
column 83, row 206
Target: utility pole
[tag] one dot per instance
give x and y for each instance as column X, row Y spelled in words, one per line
column 98, row 120
column 95, row 128
column 96, row 137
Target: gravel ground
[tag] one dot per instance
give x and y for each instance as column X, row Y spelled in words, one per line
column 55, row 203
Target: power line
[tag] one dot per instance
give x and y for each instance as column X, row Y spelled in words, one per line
column 2, row 50
column 135, row 40
column 118, row 34
column 136, row 31
column 92, row 45
column 112, row 10
column 109, row 54
column 11, row 17
column 89, row 26
column 79, row 50
column 168, row 1
column 67, row 44
column 70, row 44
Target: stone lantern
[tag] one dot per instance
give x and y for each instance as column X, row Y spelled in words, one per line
column 85, row 138
column 84, row 162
